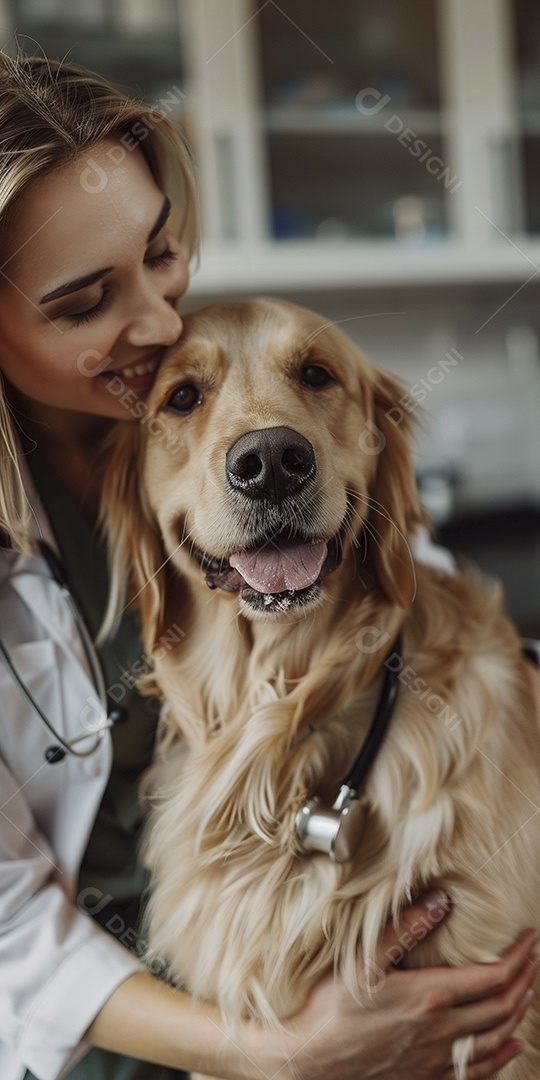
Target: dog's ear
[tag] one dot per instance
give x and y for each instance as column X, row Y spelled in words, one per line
column 135, row 550
column 395, row 510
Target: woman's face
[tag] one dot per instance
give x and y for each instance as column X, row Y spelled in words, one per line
column 89, row 278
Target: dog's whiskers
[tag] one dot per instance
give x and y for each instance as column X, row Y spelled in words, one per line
column 371, row 529
column 183, row 541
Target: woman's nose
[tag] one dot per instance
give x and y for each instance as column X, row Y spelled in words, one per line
column 158, row 323
column 154, row 318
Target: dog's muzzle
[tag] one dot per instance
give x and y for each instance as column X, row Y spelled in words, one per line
column 278, row 569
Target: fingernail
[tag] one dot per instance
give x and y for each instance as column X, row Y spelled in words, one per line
column 528, row 997
column 517, row 1048
column 437, row 902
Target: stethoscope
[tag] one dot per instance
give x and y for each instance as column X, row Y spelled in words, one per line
column 336, row 831
column 115, row 714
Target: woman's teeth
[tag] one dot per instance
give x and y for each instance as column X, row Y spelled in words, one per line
column 138, row 369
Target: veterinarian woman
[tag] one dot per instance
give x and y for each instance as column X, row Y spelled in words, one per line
column 97, row 222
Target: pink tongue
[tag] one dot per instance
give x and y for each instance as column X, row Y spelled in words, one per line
column 273, row 568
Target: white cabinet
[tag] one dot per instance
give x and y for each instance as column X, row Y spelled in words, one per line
column 357, row 143
column 364, row 142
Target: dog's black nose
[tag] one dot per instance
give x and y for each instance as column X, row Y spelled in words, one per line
column 270, row 463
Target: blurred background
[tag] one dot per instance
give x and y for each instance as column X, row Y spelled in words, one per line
column 378, row 161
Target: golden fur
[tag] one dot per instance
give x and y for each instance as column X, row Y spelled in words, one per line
column 267, row 709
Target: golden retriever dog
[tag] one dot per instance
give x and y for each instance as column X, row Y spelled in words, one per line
column 266, row 509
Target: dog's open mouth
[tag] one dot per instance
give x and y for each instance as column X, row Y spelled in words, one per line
column 279, row 573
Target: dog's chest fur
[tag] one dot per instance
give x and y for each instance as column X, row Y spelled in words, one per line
column 242, row 919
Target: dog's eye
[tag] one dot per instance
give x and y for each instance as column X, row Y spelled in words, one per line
column 184, row 399
column 315, row 377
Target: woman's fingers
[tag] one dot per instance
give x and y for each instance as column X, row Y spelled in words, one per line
column 464, row 984
column 481, row 1070
column 483, row 980
column 488, row 1001
column 415, row 923
column 495, row 1048
column 489, row 1043
column 498, row 1009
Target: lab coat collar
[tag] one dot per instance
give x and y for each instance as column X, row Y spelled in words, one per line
column 47, row 603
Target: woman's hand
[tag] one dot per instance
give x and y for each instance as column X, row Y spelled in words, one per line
column 410, row 1022
column 404, row 1032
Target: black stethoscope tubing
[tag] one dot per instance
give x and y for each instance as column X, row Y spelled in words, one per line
column 379, row 723
column 115, row 715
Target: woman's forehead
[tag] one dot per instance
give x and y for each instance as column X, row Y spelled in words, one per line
column 72, row 219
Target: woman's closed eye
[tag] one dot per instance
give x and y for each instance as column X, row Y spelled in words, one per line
column 77, row 318
column 162, row 259
column 154, row 262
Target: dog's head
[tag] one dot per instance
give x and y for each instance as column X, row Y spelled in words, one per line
column 271, row 463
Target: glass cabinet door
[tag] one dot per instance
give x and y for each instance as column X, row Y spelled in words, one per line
column 133, row 42
column 352, row 118
column 527, row 31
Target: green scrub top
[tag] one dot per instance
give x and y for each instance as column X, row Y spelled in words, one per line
column 110, row 863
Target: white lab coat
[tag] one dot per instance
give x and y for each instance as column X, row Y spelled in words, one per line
column 57, row 966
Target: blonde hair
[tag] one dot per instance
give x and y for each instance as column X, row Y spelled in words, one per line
column 50, row 112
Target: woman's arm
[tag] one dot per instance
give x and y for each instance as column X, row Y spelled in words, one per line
column 405, row 1030
column 57, row 965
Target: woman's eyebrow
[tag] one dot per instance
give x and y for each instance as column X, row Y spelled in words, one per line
column 88, row 279
column 74, row 286
column 162, row 217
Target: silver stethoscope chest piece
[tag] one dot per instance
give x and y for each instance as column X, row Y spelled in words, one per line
column 336, row 831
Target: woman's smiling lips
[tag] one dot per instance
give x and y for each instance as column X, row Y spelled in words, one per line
column 139, row 375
